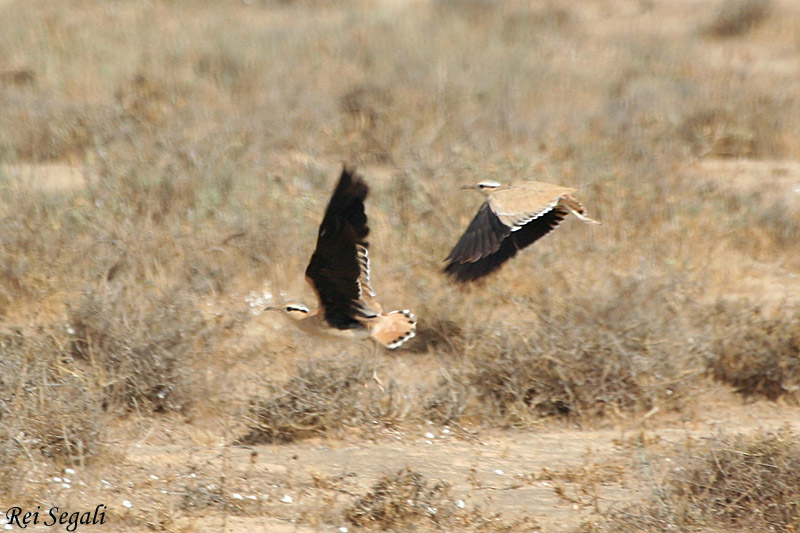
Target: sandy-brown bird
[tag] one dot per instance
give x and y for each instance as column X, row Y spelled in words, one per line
column 512, row 217
column 339, row 274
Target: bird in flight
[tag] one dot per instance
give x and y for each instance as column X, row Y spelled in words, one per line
column 512, row 217
column 339, row 273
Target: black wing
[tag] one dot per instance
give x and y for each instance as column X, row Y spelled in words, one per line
column 334, row 268
column 477, row 255
column 483, row 237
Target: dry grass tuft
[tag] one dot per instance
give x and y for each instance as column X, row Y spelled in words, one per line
column 748, row 483
column 757, row 353
column 736, row 17
column 324, row 395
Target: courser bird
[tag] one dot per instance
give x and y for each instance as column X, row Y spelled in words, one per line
column 339, row 273
column 512, row 217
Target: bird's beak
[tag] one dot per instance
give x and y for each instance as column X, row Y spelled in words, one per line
column 271, row 308
column 464, row 187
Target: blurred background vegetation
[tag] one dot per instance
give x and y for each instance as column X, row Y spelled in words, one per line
column 163, row 163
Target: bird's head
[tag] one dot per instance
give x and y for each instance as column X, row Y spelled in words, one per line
column 486, row 187
column 294, row 310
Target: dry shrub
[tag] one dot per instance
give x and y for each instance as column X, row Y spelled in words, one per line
column 450, row 399
column 606, row 376
column 47, row 128
column 736, row 17
column 30, row 255
column 324, row 395
column 742, row 483
column 17, row 76
column 750, row 482
column 369, row 124
column 401, row 500
column 47, row 406
column 142, row 343
column 623, row 351
column 716, row 132
column 144, row 99
column 437, row 334
column 407, row 501
column 757, row 353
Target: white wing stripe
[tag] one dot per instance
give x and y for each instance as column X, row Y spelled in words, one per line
column 518, row 223
column 363, row 261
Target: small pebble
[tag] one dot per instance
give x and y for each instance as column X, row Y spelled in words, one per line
column 460, row 504
column 430, row 435
column 69, row 471
column 499, row 472
column 127, row 504
column 237, row 496
column 286, row 499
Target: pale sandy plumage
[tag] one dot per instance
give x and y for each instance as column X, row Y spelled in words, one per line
column 512, row 217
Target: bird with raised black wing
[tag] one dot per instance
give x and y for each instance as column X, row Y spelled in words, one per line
column 512, row 217
column 339, row 273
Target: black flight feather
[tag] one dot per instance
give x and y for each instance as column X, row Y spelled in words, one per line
column 478, row 252
column 334, row 268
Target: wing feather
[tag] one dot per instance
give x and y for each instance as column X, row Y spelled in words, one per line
column 336, row 269
column 483, row 237
column 465, row 270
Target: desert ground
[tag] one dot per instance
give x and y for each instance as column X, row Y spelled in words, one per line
column 164, row 166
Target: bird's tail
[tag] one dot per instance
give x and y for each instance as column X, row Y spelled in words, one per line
column 395, row 328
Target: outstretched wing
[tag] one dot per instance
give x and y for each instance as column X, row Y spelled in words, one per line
column 488, row 243
column 338, row 264
column 483, row 237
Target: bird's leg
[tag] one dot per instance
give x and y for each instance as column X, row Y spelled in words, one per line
column 364, row 364
column 375, row 377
